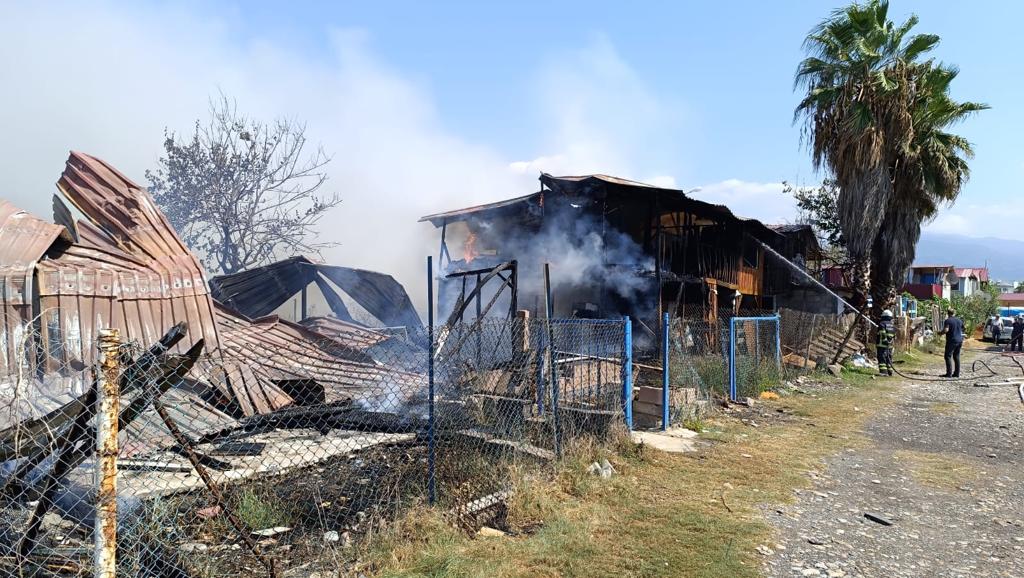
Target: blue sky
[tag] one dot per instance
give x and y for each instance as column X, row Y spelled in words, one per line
column 726, row 67
column 428, row 106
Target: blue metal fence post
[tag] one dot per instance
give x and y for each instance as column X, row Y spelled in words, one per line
column 431, row 479
column 627, row 373
column 757, row 342
column 732, row 359
column 778, row 343
column 664, row 371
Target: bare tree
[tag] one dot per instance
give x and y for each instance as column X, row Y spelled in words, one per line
column 240, row 192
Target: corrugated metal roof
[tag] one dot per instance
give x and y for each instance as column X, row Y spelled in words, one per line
column 281, row 350
column 596, row 185
column 789, row 228
column 980, row 273
column 129, row 270
column 261, row 290
column 354, row 335
column 438, row 219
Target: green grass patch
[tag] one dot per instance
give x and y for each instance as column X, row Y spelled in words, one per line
column 261, row 510
column 661, row 515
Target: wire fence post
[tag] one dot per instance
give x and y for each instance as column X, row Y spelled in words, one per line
column 732, row 359
column 541, row 356
column 627, row 372
column 664, row 371
column 108, row 409
column 549, row 306
column 757, row 341
column 778, row 343
column 431, row 478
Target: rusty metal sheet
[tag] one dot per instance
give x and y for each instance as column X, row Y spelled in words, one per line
column 24, row 239
column 282, row 350
column 351, row 334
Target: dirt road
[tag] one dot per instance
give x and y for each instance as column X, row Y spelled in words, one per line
column 942, row 465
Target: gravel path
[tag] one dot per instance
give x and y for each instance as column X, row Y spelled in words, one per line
column 943, row 467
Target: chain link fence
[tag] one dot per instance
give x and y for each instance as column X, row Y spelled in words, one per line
column 216, row 475
column 729, row 356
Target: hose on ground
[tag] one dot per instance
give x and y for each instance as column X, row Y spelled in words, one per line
column 974, row 370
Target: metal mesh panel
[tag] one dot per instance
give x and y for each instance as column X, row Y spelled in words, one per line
column 698, row 358
column 286, row 447
column 756, row 356
column 512, row 394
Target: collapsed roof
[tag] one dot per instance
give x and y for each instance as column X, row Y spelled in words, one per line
column 261, row 290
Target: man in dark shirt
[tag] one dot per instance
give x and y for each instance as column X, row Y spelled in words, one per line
column 953, row 329
column 1017, row 334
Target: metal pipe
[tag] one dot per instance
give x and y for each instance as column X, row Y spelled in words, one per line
column 105, row 521
column 627, row 373
column 553, row 370
column 431, row 480
column 480, row 323
column 664, row 371
column 732, row 359
column 778, row 343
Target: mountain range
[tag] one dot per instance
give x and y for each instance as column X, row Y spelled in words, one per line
column 1003, row 257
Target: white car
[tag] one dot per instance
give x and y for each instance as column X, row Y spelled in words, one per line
column 1004, row 336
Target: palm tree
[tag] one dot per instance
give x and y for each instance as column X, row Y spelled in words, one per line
column 929, row 173
column 857, row 114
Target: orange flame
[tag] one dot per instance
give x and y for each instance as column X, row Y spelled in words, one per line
column 469, row 250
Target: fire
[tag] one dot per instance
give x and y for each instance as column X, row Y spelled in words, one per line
column 469, row 250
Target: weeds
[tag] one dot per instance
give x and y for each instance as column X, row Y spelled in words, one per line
column 260, row 510
column 661, row 514
column 938, row 470
column 696, row 423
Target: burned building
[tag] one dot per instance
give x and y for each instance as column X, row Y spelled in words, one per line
column 615, row 247
column 123, row 266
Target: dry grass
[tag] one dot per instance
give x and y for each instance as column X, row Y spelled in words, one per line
column 940, row 471
column 942, row 407
column 661, row 515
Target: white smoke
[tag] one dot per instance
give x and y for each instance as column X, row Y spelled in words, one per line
column 107, row 78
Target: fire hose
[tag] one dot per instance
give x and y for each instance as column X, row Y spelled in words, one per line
column 974, row 369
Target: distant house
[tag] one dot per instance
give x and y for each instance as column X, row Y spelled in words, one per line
column 1015, row 300
column 1004, row 286
column 969, row 280
column 929, row 281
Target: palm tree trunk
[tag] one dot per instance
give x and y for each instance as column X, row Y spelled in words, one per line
column 861, row 290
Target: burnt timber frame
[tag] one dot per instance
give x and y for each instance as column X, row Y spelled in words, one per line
column 483, row 276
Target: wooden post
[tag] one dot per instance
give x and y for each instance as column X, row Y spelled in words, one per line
column 849, row 334
column 105, row 521
column 810, row 338
column 522, row 335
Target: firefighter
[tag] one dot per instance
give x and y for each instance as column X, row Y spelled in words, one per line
column 1017, row 334
column 886, row 340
